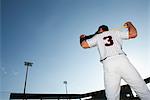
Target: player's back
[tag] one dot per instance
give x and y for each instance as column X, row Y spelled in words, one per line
column 109, row 44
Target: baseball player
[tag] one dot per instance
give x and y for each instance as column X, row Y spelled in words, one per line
column 115, row 62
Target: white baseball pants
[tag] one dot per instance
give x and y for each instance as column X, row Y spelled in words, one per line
column 117, row 68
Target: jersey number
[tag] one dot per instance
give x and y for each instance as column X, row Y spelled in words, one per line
column 109, row 40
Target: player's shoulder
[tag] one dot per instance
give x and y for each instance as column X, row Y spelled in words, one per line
column 106, row 33
column 114, row 32
column 110, row 32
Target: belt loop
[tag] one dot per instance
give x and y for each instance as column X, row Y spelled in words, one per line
column 108, row 56
column 103, row 59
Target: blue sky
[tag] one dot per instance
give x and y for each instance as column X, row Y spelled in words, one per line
column 46, row 32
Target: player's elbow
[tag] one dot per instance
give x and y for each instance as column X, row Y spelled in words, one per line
column 84, row 45
column 133, row 35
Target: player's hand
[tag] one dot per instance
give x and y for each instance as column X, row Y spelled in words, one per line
column 82, row 36
column 126, row 25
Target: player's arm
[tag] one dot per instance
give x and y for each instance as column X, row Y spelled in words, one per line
column 83, row 42
column 132, row 30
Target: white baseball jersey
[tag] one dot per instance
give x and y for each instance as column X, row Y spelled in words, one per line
column 109, row 43
column 118, row 66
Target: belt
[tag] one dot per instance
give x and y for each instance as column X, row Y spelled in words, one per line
column 110, row 56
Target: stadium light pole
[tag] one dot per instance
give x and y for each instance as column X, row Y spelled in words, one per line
column 65, row 82
column 27, row 64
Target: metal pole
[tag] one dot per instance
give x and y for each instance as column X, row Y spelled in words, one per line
column 26, row 79
column 28, row 64
column 66, row 89
column 65, row 82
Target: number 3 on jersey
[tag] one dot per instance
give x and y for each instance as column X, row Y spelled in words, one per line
column 109, row 42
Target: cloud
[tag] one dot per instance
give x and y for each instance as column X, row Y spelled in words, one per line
column 15, row 73
column 3, row 70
